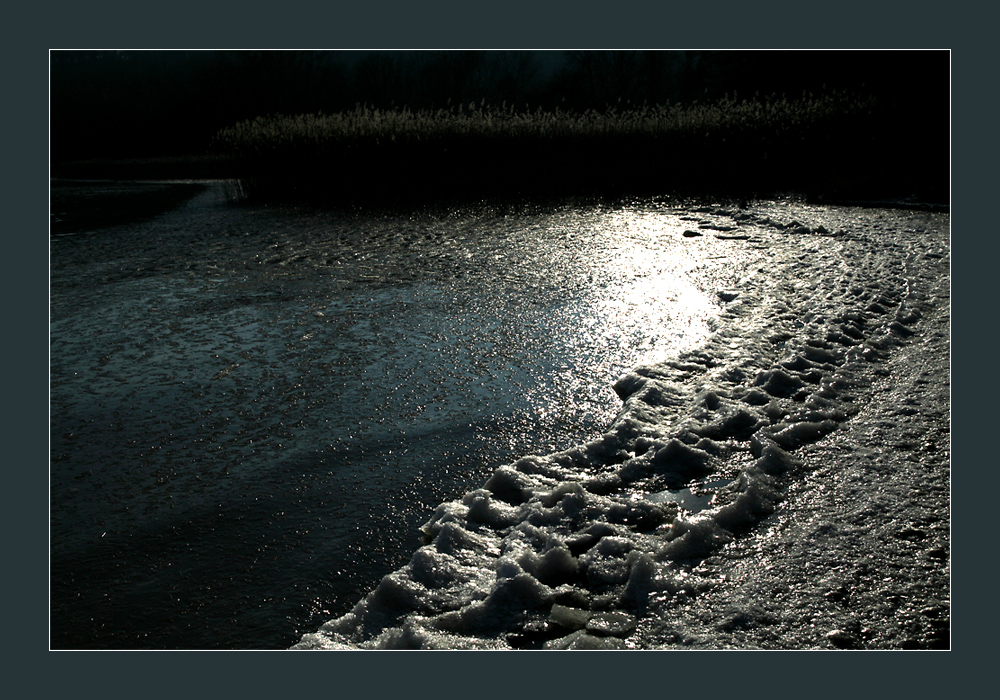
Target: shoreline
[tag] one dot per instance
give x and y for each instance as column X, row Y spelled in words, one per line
column 198, row 169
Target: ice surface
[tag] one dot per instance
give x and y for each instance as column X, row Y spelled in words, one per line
column 592, row 548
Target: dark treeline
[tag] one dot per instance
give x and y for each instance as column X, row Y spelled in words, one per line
column 119, row 104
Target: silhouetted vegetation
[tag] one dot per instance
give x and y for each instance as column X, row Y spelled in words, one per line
column 475, row 150
column 416, row 125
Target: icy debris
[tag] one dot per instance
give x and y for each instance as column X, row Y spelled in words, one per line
column 755, row 397
column 745, row 618
column 842, row 639
column 511, row 484
column 611, row 624
column 712, row 400
column 907, row 315
column 775, row 461
column 817, row 353
column 695, row 538
column 798, row 434
column 795, row 227
column 754, row 496
column 569, row 618
column 680, row 461
column 489, row 511
column 583, row 641
column 778, row 383
column 899, row 329
column 734, row 423
column 629, row 384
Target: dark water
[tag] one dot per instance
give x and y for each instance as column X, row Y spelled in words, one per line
column 254, row 409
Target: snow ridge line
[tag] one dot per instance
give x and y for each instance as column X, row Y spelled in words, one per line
column 569, row 550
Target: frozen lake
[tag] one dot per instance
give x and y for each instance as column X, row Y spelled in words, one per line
column 639, row 426
column 254, row 409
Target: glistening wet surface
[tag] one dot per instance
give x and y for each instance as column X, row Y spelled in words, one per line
column 254, row 409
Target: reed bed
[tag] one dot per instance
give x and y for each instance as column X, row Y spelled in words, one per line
column 745, row 147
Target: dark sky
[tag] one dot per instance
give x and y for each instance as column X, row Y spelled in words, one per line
column 141, row 103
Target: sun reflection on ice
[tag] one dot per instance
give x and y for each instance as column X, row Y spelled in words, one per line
column 655, row 305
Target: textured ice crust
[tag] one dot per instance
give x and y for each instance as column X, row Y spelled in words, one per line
column 569, row 550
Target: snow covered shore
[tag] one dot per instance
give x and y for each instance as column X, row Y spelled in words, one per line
column 784, row 486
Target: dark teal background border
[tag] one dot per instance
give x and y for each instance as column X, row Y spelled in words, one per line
column 507, row 25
